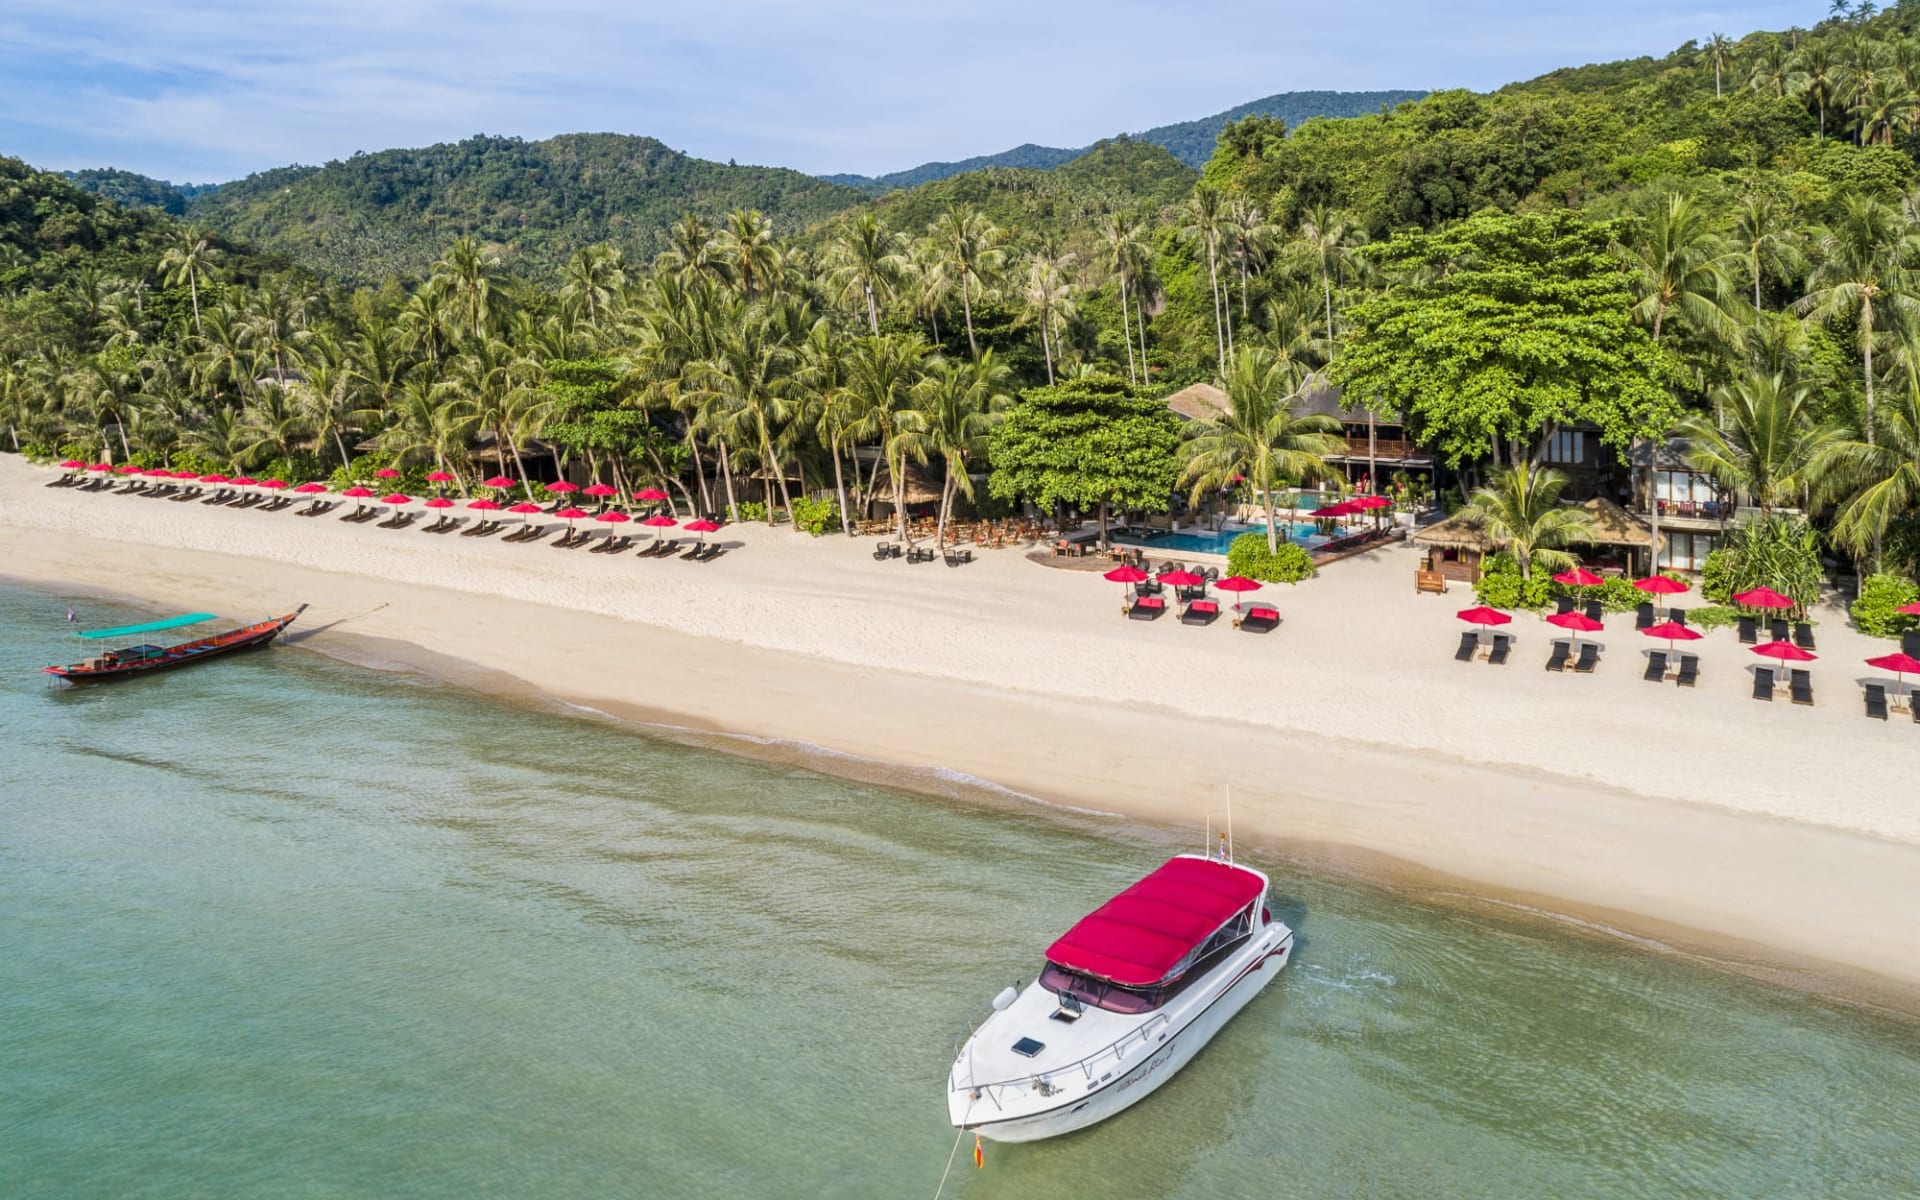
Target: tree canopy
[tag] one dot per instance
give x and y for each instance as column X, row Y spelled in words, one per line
column 1086, row 442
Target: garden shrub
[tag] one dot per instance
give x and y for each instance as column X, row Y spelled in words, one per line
column 1500, row 585
column 1713, row 616
column 1873, row 612
column 1249, row 556
column 815, row 516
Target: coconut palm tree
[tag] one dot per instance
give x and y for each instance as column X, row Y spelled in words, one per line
column 1772, row 69
column 1249, row 239
column 1719, row 53
column 190, row 260
column 868, row 264
column 1874, row 483
column 1328, row 246
column 881, row 374
column 1862, row 275
column 1047, row 300
column 955, row 406
column 591, row 280
column 474, row 287
column 1764, row 443
column 1520, row 511
column 1816, row 77
column 1679, row 265
column 1765, row 239
column 1205, row 218
column 972, row 247
column 1262, row 437
column 1124, row 251
column 747, row 252
column 745, row 385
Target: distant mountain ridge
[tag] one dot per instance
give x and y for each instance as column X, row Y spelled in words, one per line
column 1189, row 141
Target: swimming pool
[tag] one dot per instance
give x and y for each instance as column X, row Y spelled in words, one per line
column 1203, row 541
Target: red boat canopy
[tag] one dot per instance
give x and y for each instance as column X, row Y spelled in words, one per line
column 1139, row 936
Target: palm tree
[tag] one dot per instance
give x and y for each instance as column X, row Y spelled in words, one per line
column 1719, row 52
column 747, row 252
column 1765, row 239
column 1764, row 443
column 1817, row 79
column 1261, row 437
column 1328, row 242
column 1249, row 238
column 474, row 287
column 690, row 251
column 1862, row 274
column 867, row 264
column 881, row 373
column 745, row 386
column 1772, row 70
column 591, row 280
column 972, row 250
column 1882, row 106
column 1125, row 244
column 190, row 261
column 955, row 407
column 1048, row 301
column 1204, row 221
column 1875, row 483
column 1520, row 511
column 1680, row 267
column 821, row 377
column 485, row 386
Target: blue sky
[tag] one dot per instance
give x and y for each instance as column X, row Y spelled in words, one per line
column 206, row 90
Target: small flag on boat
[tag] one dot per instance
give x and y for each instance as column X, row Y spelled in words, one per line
column 979, row 1158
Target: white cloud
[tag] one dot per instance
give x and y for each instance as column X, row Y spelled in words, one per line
column 201, row 89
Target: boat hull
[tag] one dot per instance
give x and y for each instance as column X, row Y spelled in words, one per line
column 1149, row 1073
column 250, row 637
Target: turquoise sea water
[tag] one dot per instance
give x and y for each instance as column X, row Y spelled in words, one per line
column 279, row 926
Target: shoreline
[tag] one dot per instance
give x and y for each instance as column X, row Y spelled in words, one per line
column 1819, row 908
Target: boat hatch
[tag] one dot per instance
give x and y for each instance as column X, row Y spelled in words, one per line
column 1027, row 1047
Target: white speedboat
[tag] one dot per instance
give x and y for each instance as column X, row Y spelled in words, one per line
column 1126, row 999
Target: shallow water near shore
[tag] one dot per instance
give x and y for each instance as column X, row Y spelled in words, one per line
column 284, row 926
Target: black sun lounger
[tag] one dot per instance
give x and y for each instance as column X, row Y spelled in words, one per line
column 1469, row 646
column 1689, row 670
column 1877, row 701
column 1502, row 646
column 1803, row 635
column 1201, row 612
column 1589, row 658
column 1260, row 620
column 1656, row 671
column 1557, row 661
column 1801, row 687
column 1763, row 683
column 1148, row 608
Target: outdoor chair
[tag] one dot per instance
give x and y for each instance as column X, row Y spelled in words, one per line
column 1502, row 646
column 1689, row 670
column 1643, row 615
column 1260, row 620
column 1589, row 658
column 1763, row 683
column 1777, row 630
column 1557, row 661
column 1748, row 635
column 1200, row 612
column 958, row 557
column 1803, row 635
column 1594, row 610
column 919, row 554
column 1877, row 701
column 1469, row 646
column 1147, row 608
column 881, row 553
column 1656, row 667
column 1801, row 686
column 1563, row 606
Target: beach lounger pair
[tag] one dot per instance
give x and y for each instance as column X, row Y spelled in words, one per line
column 1200, row 612
column 613, row 545
column 1260, row 620
column 958, row 557
column 885, row 551
column 660, row 549
column 919, row 554
column 1147, row 608
column 530, row 533
column 483, row 529
column 1799, row 685
column 1584, row 665
column 398, row 520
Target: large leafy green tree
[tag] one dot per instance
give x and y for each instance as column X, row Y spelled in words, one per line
column 1502, row 329
column 1089, row 443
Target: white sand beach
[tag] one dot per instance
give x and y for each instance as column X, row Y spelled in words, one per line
column 1783, row 840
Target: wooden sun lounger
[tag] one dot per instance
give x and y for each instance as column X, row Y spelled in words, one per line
column 1763, row 684
column 1689, row 670
column 1656, row 671
column 1147, row 608
column 1877, row 701
column 1589, row 658
column 1260, row 620
column 1800, row 686
column 1201, row 612
column 1469, row 646
column 535, row 533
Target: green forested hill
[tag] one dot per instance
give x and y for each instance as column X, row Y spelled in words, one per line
column 392, row 213
column 130, row 189
column 1115, row 175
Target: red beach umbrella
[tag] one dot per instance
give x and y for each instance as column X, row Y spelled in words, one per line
column 650, row 495
column 499, row 481
column 1575, row 623
column 73, row 464
column 439, row 477
column 1911, row 610
column 1784, row 652
column 1180, row 578
column 214, row 479
column 396, row 498
column 184, row 474
column 1370, row 503
column 525, row 509
column 660, row 522
column 1899, row 664
column 125, row 469
column 702, row 528
column 1342, row 509
column 311, row 489
column 1238, row 583
column 1578, row 577
column 1673, row 631
column 439, row 502
column 613, row 517
column 357, row 492
column 1126, row 574
column 1660, row 585
column 158, row 472
column 1484, row 616
column 386, row 473
column 487, row 505
column 570, row 515
column 101, row 467
column 1762, row 597
column 563, row 486
column 600, row 489
column 243, row 481
column 276, row 484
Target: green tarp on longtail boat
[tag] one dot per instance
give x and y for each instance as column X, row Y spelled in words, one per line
column 149, row 627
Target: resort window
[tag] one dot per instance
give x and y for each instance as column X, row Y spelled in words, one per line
column 1567, row 446
column 1687, row 551
column 1688, row 494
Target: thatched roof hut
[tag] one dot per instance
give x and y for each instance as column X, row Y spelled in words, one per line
column 1615, row 526
column 920, row 486
column 1461, row 531
column 1198, row 402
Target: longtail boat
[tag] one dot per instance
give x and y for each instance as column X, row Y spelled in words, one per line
column 136, row 660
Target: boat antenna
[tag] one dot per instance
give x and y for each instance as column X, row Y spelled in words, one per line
column 1207, row 845
column 1229, row 824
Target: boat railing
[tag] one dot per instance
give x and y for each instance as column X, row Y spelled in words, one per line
column 1088, row 1066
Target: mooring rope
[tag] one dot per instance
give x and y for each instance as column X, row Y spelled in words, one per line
column 951, row 1155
